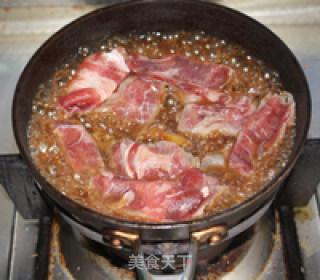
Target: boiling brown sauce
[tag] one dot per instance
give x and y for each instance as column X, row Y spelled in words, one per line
column 253, row 78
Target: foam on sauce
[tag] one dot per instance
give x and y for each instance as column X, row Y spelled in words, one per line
column 253, row 78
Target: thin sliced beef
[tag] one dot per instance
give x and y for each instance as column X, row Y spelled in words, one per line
column 79, row 148
column 97, row 78
column 205, row 119
column 201, row 78
column 137, row 197
column 265, row 128
column 158, row 161
column 161, row 200
column 199, row 191
column 136, row 100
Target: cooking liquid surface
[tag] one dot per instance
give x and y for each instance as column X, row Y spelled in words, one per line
column 253, row 78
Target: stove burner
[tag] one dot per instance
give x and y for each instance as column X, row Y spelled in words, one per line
column 74, row 256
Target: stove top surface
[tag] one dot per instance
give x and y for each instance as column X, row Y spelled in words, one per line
column 25, row 25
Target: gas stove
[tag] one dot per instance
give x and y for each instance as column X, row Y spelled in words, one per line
column 36, row 243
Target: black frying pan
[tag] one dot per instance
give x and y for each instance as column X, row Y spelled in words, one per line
column 163, row 15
